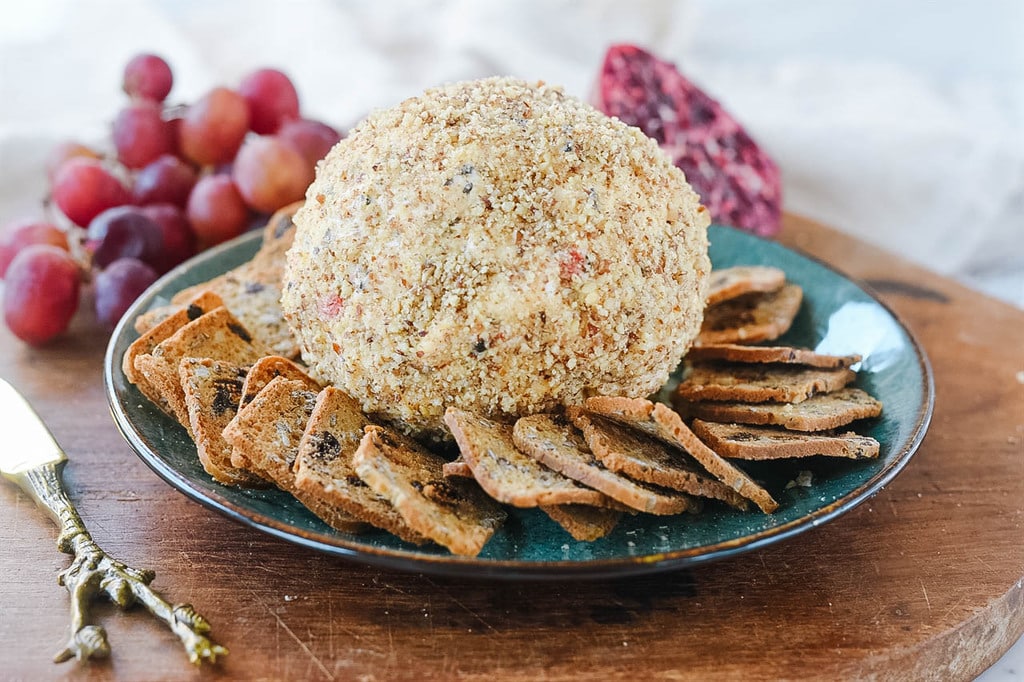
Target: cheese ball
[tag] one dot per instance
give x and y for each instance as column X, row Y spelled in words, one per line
column 496, row 246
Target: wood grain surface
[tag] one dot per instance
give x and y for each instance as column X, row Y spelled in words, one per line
column 923, row 581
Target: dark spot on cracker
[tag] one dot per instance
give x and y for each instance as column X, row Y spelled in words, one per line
column 240, row 331
column 226, row 395
column 254, row 287
column 193, row 312
column 325, row 445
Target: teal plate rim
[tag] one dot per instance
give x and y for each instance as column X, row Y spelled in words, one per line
column 135, row 421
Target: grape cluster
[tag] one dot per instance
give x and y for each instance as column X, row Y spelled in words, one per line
column 178, row 179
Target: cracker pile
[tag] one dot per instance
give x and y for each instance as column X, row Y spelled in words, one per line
column 218, row 361
column 768, row 402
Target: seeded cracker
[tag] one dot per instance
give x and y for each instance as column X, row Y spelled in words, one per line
column 252, row 291
column 731, row 282
column 583, row 522
column 216, row 334
column 265, row 438
column 755, row 383
column 458, row 467
column 555, row 443
column 323, row 466
column 764, row 442
column 630, row 453
column 204, row 302
column 818, row 413
column 265, row 370
column 212, row 390
column 734, row 352
column 453, row 512
column 505, row 473
column 659, row 421
column 751, row 318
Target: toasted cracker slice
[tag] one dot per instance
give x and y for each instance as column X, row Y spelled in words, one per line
column 212, row 389
column 818, row 413
column 583, row 522
column 755, row 383
column 217, row 334
column 323, row 466
column 658, row 420
column 734, row 352
column 505, row 473
column 458, row 467
column 727, row 283
column 265, row 439
column 630, row 453
column 203, row 303
column 453, row 512
column 268, row 368
column 765, row 442
column 262, row 372
column 252, row 291
column 556, row 444
column 751, row 317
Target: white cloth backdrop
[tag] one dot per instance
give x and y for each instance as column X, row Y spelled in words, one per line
column 901, row 122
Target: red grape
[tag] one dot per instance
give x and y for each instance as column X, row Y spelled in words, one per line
column 21, row 234
column 216, row 210
column 271, row 98
column 65, row 151
column 313, row 139
column 166, row 180
column 141, row 135
column 123, row 232
column 270, row 173
column 213, row 128
column 119, row 285
column 179, row 242
column 148, row 76
column 40, row 293
column 83, row 189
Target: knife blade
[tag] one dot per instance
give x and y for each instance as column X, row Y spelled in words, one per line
column 30, row 443
column 35, row 461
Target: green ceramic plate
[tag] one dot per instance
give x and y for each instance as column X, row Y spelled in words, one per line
column 838, row 316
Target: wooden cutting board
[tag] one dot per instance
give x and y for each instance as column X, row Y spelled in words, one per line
column 923, row 581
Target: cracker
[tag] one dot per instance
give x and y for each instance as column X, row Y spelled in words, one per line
column 751, row 317
column 203, row 302
column 268, row 368
column 658, row 420
column 756, row 383
column 265, row 439
column 630, row 453
column 212, row 389
column 216, row 334
column 556, row 444
column 583, row 522
column 453, row 512
column 323, row 465
column 251, row 291
column 818, row 413
column 734, row 352
column 765, row 442
column 458, row 468
column 727, row 283
column 505, row 473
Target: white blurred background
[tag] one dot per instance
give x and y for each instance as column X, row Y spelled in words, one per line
column 898, row 121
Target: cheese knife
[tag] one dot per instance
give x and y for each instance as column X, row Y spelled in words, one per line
column 34, row 460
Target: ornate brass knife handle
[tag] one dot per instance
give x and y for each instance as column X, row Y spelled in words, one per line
column 94, row 572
